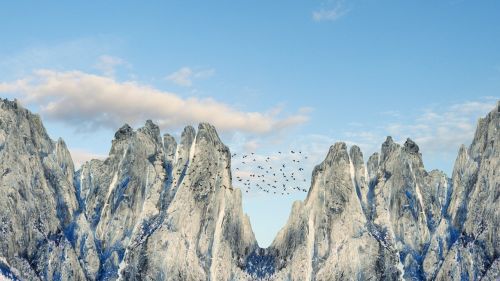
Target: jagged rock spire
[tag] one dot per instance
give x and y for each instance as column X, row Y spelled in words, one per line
column 160, row 210
column 124, row 132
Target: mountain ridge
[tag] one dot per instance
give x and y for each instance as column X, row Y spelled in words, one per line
column 156, row 209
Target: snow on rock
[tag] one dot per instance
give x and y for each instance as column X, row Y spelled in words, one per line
column 326, row 237
column 204, row 234
column 156, row 209
column 37, row 200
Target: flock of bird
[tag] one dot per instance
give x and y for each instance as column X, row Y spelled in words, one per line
column 280, row 174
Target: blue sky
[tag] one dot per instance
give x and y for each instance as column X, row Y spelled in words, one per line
column 269, row 74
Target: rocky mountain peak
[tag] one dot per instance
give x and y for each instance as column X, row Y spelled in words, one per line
column 486, row 135
column 152, row 130
column 326, row 170
column 158, row 210
column 410, row 146
column 207, row 132
column 124, row 132
column 188, row 134
column 126, row 137
column 37, row 200
column 388, row 146
column 169, row 141
column 372, row 165
column 170, row 147
column 15, row 118
column 336, row 153
column 356, row 155
column 63, row 158
column 11, row 104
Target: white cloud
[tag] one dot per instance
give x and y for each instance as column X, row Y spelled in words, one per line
column 108, row 64
column 80, row 156
column 251, row 145
column 13, row 86
column 439, row 130
column 89, row 101
column 445, row 128
column 391, row 113
column 185, row 75
column 332, row 12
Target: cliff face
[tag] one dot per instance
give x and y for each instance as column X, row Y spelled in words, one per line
column 119, row 196
column 158, row 210
column 327, row 236
column 392, row 219
column 204, row 234
column 474, row 208
column 161, row 210
column 37, row 200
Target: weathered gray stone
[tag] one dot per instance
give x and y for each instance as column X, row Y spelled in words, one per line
column 158, row 210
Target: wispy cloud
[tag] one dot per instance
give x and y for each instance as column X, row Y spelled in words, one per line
column 331, row 11
column 441, row 128
column 80, row 156
column 391, row 113
column 185, row 75
column 438, row 129
column 107, row 64
column 88, row 101
column 79, row 53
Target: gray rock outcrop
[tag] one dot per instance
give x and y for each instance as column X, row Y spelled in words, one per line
column 155, row 209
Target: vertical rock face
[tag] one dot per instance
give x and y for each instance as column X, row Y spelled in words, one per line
column 326, row 237
column 161, row 210
column 156, row 209
column 37, row 202
column 359, row 222
column 474, row 206
column 120, row 197
column 419, row 225
column 407, row 204
column 204, row 234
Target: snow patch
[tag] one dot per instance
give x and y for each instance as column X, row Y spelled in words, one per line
column 401, row 269
column 4, row 278
column 122, row 266
column 419, row 196
column 310, row 244
column 176, row 156
column 217, row 235
column 417, row 189
column 192, row 149
column 367, row 180
column 353, row 180
column 111, row 186
column 146, row 208
column 351, row 172
column 115, row 177
column 6, row 272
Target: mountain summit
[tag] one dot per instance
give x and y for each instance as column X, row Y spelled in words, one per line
column 155, row 209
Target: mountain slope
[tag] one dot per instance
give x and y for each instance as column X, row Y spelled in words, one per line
column 204, row 234
column 37, row 202
column 156, row 209
column 326, row 237
column 474, row 206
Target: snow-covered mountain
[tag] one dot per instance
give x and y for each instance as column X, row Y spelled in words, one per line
column 156, row 209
